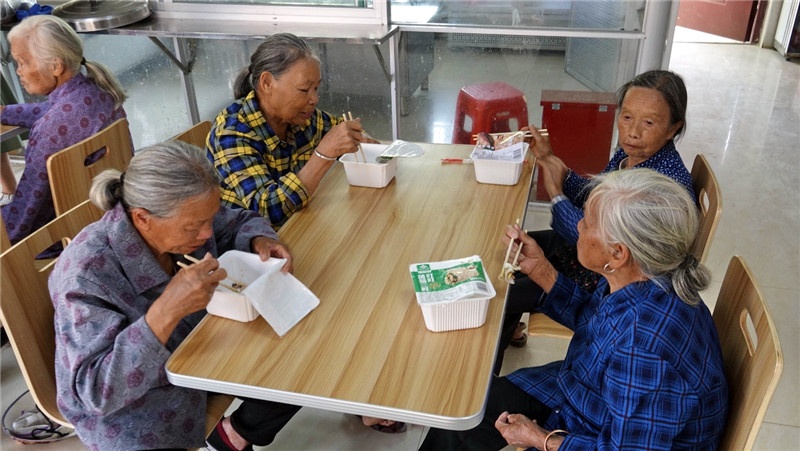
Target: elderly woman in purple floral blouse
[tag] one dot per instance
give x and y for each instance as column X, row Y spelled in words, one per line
column 49, row 57
column 122, row 305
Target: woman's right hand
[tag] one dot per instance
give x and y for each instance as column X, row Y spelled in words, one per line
column 539, row 145
column 189, row 291
column 341, row 139
column 531, row 259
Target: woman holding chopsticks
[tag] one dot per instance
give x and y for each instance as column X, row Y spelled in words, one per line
column 651, row 114
column 123, row 302
column 272, row 146
column 644, row 368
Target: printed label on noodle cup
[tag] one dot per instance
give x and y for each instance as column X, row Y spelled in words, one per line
column 451, row 280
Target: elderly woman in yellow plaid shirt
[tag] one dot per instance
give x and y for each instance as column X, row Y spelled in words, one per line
column 272, row 146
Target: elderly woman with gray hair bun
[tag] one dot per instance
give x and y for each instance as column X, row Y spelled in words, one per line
column 49, row 59
column 272, row 146
column 123, row 304
column 644, row 367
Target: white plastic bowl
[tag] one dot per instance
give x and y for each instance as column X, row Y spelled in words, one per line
column 370, row 174
column 499, row 171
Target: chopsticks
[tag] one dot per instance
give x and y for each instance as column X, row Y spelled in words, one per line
column 507, row 273
column 360, row 150
column 236, row 287
column 542, row 132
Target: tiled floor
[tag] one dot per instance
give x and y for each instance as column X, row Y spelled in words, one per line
column 744, row 115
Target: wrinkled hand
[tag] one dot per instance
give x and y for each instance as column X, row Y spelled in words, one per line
column 191, row 288
column 266, row 248
column 539, row 145
column 189, row 291
column 531, row 259
column 553, row 172
column 343, row 138
column 519, row 430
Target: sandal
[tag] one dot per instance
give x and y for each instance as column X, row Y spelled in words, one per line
column 520, row 342
column 394, row 428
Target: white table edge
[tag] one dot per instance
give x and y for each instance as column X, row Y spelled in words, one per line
column 324, row 403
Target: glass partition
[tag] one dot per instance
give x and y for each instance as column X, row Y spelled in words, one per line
column 433, row 68
column 351, row 3
column 616, row 15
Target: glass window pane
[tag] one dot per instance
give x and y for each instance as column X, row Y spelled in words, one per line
column 351, row 3
column 579, row 14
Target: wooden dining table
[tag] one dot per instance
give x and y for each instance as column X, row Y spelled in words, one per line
column 10, row 131
column 365, row 349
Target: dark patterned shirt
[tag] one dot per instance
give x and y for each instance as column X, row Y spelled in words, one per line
column 73, row 112
column 643, row 370
column 258, row 171
column 567, row 214
column 110, row 377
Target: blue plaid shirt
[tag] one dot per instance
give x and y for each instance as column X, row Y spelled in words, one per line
column 643, row 371
column 566, row 215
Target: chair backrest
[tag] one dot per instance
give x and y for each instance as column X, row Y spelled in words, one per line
column 710, row 201
column 26, row 309
column 5, row 242
column 195, row 135
column 70, row 176
column 751, row 354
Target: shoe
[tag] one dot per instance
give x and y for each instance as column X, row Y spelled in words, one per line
column 218, row 440
column 394, row 428
column 520, row 342
column 6, row 199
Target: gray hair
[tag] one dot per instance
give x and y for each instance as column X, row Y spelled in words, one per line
column 275, row 55
column 657, row 220
column 672, row 89
column 159, row 179
column 53, row 40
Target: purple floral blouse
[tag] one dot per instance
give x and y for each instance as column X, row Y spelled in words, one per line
column 110, row 376
column 73, row 112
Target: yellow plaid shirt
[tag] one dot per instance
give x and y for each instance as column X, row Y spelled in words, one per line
column 257, row 170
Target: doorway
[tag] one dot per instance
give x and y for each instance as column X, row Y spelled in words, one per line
column 738, row 20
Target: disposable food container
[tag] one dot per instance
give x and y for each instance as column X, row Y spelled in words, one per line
column 499, row 167
column 260, row 289
column 452, row 294
column 370, row 174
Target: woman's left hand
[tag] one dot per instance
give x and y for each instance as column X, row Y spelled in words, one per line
column 266, row 248
column 519, row 430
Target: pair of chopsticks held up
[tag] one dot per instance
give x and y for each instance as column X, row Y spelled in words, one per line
column 236, row 287
column 360, row 152
column 490, row 138
column 507, row 273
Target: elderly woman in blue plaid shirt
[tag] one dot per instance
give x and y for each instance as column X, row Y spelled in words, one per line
column 644, row 368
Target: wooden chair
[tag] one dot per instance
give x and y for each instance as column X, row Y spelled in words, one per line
column 27, row 312
column 751, row 354
column 196, row 135
column 709, row 199
column 5, row 242
column 71, row 178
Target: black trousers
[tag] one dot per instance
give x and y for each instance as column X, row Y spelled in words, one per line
column 524, row 295
column 503, row 396
column 259, row 421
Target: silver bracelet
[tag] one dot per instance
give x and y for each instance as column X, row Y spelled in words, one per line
column 326, row 158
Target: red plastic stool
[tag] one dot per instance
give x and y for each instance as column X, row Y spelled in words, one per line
column 488, row 107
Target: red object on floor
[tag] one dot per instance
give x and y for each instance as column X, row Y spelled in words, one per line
column 488, row 107
column 580, row 125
